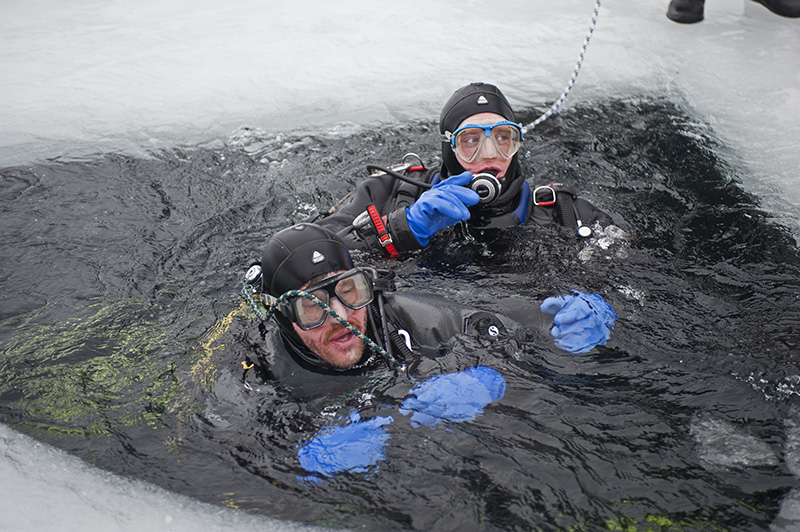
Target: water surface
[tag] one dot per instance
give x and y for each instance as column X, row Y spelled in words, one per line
column 147, row 154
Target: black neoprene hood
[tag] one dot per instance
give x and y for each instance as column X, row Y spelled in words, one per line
column 470, row 100
column 475, row 98
column 296, row 255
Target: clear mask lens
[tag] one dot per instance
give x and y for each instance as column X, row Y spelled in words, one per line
column 352, row 288
column 501, row 140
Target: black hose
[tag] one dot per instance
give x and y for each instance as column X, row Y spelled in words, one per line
column 401, row 177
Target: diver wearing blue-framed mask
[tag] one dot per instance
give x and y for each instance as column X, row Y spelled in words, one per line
column 479, row 186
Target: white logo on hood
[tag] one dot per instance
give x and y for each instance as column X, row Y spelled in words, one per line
column 482, row 100
column 317, row 257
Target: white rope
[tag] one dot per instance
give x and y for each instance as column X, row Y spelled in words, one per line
column 572, row 79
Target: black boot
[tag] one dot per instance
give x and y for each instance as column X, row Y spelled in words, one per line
column 784, row 8
column 686, row 11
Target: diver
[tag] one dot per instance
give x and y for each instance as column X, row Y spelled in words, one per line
column 479, row 183
column 306, row 272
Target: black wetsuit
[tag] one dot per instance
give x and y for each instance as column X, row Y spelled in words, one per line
column 391, row 196
column 428, row 324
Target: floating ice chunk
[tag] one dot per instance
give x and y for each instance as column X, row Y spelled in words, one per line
column 724, row 445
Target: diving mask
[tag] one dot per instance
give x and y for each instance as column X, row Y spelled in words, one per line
column 353, row 288
column 468, row 140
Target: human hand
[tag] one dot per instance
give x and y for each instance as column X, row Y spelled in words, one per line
column 581, row 321
column 353, row 447
column 444, row 205
column 454, row 397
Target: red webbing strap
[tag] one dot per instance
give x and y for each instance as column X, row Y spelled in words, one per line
column 383, row 235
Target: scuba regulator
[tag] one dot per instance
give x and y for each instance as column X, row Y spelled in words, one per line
column 486, row 185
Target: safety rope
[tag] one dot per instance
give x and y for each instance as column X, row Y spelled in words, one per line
column 247, row 291
column 572, row 78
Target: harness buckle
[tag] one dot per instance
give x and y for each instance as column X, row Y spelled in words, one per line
column 385, row 239
column 544, row 196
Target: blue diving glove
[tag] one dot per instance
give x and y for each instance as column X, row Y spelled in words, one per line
column 455, row 396
column 444, row 205
column 354, row 447
column 581, row 321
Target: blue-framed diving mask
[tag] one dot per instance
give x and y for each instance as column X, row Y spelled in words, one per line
column 468, row 141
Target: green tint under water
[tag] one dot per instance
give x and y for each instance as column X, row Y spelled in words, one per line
column 88, row 377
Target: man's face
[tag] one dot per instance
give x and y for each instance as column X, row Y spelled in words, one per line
column 331, row 341
column 489, row 158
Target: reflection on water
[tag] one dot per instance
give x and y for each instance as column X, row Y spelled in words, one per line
column 123, row 334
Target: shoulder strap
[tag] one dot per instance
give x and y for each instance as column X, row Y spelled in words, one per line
column 563, row 197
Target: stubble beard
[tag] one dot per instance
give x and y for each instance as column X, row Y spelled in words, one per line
column 335, row 356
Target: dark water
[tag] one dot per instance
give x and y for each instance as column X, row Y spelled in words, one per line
column 123, row 334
